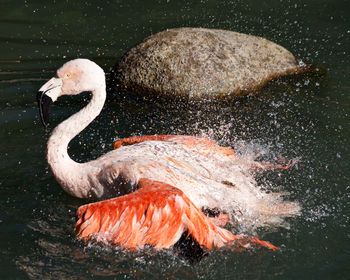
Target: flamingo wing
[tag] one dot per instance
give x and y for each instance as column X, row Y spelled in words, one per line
column 203, row 146
column 199, row 144
column 157, row 214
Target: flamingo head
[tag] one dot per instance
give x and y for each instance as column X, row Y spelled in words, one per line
column 73, row 77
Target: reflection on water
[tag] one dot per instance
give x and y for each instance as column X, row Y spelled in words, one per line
column 301, row 117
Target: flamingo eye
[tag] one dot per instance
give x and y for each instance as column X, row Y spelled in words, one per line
column 68, row 75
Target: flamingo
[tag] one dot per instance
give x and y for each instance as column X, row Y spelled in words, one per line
column 153, row 189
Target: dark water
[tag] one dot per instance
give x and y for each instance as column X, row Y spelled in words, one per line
column 305, row 117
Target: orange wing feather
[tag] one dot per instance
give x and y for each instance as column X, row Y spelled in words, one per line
column 156, row 214
column 201, row 145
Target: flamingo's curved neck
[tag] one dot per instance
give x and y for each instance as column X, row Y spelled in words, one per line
column 73, row 176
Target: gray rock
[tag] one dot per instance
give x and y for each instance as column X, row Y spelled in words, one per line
column 204, row 63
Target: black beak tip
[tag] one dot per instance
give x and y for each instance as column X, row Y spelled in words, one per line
column 44, row 103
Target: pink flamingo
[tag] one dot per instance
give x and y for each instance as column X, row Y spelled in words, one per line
column 155, row 187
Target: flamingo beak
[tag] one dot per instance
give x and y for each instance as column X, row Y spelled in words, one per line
column 46, row 95
column 44, row 103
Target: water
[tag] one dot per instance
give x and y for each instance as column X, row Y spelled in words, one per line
column 302, row 117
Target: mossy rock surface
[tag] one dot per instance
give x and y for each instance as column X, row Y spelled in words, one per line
column 203, row 63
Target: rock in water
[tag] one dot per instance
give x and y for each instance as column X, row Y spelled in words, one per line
column 203, row 63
